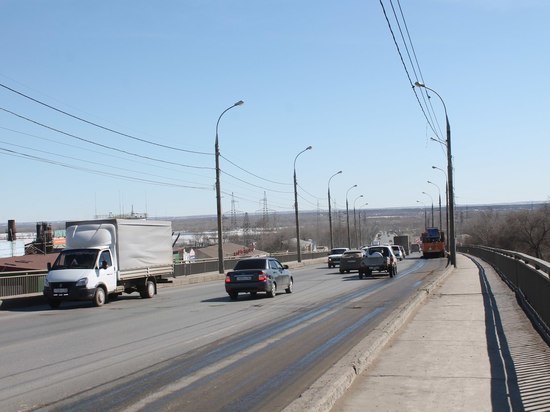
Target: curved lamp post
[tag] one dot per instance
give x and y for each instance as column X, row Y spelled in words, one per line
column 299, row 251
column 451, row 237
column 347, row 214
column 329, row 211
column 218, row 191
column 439, row 191
column 432, row 199
column 355, row 219
column 446, row 198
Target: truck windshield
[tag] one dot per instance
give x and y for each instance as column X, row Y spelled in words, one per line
column 76, row 259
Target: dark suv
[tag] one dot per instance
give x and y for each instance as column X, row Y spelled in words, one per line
column 259, row 274
column 334, row 256
column 351, row 260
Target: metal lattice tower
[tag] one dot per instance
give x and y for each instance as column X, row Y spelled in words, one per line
column 265, row 218
column 233, row 212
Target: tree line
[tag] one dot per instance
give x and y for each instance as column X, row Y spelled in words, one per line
column 525, row 231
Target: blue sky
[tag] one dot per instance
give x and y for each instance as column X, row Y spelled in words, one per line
column 318, row 73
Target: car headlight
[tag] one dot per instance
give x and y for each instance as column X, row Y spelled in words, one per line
column 81, row 282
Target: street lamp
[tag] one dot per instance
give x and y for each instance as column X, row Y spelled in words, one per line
column 452, row 240
column 446, row 198
column 360, row 229
column 329, row 211
column 355, row 219
column 296, row 206
column 347, row 214
column 439, row 191
column 425, row 216
column 218, row 191
column 427, row 194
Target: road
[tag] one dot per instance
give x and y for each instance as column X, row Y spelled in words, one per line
column 191, row 348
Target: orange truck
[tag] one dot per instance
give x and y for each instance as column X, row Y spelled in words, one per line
column 433, row 243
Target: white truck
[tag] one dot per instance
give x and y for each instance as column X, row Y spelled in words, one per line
column 104, row 258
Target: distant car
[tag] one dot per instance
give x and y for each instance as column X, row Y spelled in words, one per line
column 351, row 260
column 403, row 251
column 334, row 256
column 253, row 275
column 397, row 252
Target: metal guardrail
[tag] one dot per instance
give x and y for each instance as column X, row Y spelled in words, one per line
column 21, row 284
column 528, row 276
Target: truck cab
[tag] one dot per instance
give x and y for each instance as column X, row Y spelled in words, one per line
column 77, row 274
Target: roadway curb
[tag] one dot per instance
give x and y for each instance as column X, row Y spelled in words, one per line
column 323, row 393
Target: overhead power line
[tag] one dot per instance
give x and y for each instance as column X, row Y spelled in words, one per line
column 100, row 164
column 411, row 82
column 94, row 171
column 100, row 144
column 100, row 126
column 255, row 175
column 89, row 150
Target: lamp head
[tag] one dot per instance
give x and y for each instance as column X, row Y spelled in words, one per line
column 418, row 84
column 309, row 147
column 239, row 103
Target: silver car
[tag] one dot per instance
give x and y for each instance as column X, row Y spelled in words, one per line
column 397, row 252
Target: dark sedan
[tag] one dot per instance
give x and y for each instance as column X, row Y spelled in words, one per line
column 253, row 275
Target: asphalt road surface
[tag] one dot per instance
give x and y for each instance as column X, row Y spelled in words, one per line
column 191, row 347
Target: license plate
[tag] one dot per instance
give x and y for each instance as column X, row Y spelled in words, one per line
column 244, row 277
column 60, row 290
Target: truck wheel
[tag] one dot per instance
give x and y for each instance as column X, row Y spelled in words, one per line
column 100, row 297
column 149, row 290
column 54, row 303
column 341, row 270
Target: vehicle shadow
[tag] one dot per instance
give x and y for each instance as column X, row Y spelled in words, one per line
column 39, row 304
column 242, row 297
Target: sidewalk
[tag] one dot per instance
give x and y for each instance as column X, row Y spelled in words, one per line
column 470, row 347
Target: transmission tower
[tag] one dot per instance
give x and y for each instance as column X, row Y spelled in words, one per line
column 265, row 219
column 233, row 212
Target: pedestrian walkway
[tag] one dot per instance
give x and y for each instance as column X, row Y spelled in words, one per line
column 470, row 347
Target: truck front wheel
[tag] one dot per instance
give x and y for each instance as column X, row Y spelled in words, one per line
column 149, row 291
column 100, row 297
